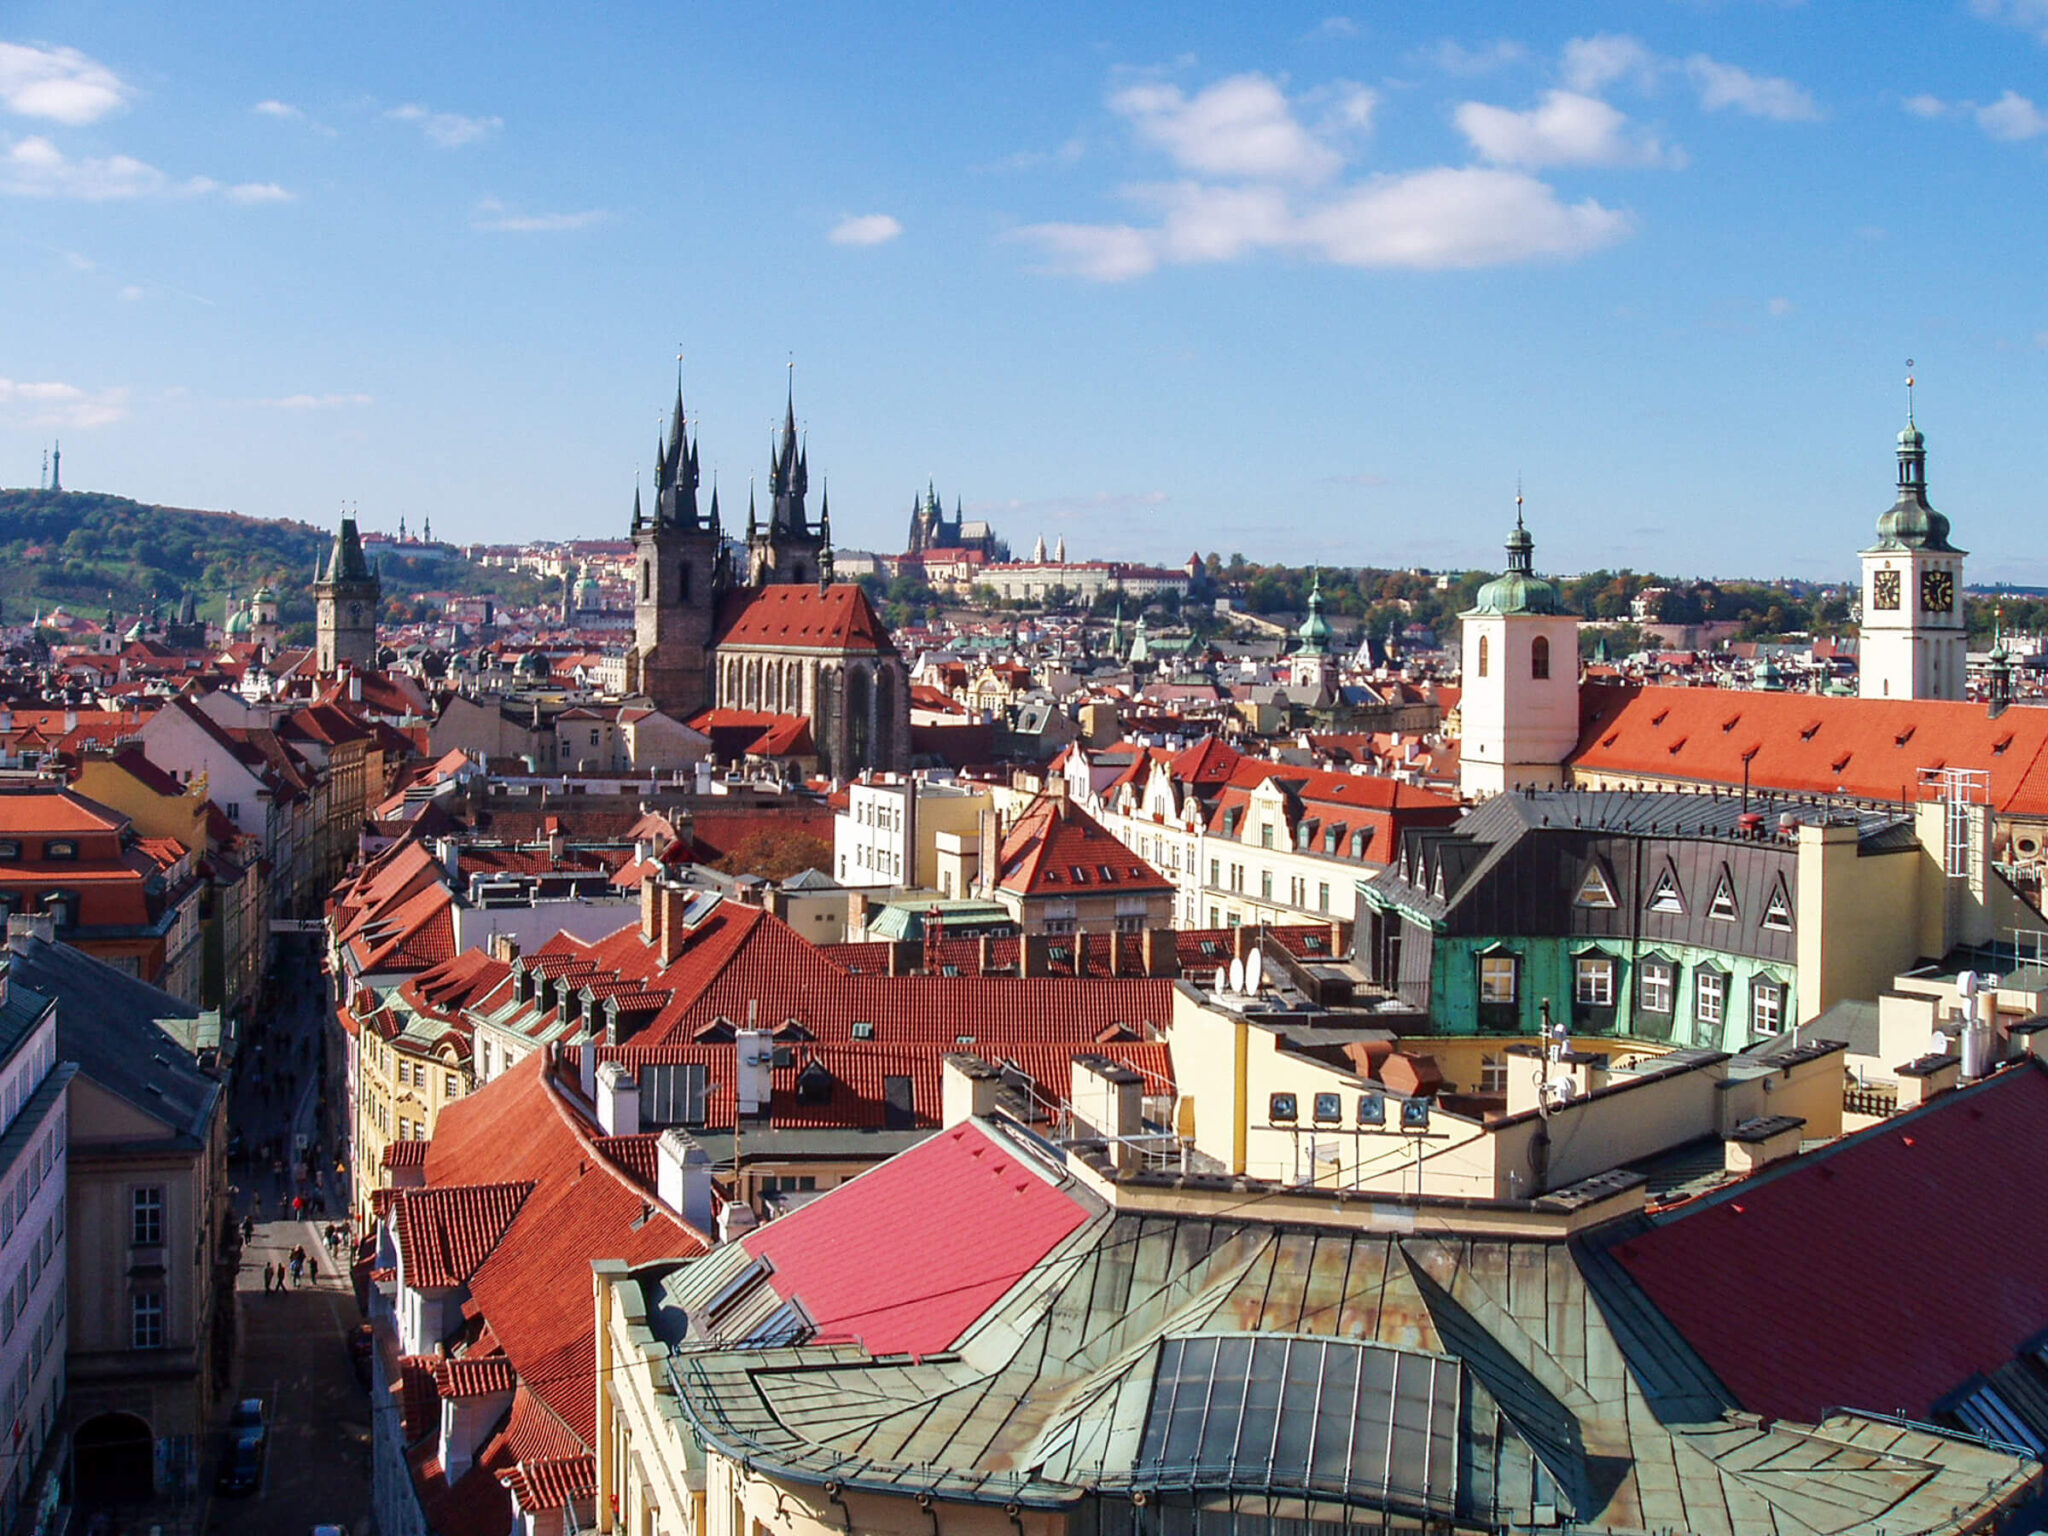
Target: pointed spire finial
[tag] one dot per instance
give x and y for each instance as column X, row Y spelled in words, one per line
column 1909, row 392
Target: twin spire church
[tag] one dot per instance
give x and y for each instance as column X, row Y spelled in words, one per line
column 767, row 633
column 1521, row 702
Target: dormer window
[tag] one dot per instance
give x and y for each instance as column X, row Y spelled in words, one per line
column 10, row 848
column 60, row 848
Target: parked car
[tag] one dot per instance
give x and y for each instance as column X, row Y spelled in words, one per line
column 330, row 1530
column 241, row 1470
column 247, row 1417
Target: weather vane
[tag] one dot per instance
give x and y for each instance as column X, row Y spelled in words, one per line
column 1909, row 391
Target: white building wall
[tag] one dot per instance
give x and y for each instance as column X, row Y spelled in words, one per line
column 33, row 1279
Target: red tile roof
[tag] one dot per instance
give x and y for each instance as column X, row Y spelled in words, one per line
column 533, row 1288
column 1057, row 849
column 1877, row 1273
column 445, row 1233
column 942, row 1231
column 405, row 1154
column 471, row 1377
column 1810, row 744
column 838, row 618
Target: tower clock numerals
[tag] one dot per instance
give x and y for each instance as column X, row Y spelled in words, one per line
column 1884, row 590
column 1937, row 591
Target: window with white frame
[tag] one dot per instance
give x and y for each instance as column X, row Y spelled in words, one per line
column 1655, row 981
column 1710, row 997
column 1593, row 984
column 1497, row 977
column 1493, row 1073
column 1766, row 1007
column 146, row 1216
column 146, row 1320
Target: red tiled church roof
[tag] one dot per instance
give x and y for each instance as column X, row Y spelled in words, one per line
column 802, row 617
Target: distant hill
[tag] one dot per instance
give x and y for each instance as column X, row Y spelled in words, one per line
column 77, row 547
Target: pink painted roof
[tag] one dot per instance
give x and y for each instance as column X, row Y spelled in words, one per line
column 907, row 1256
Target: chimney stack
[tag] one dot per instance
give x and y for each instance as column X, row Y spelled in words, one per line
column 1108, row 1101
column 682, row 1179
column 967, row 1088
column 1162, row 954
column 618, row 1098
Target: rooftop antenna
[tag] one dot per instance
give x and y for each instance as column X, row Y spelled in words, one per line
column 1909, row 392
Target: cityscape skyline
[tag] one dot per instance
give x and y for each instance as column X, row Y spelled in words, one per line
column 1307, row 286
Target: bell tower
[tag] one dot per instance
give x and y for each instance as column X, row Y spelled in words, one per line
column 1521, row 679
column 680, row 572
column 1914, row 641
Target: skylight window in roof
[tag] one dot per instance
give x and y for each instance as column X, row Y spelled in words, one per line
column 1723, row 905
column 1595, row 890
column 1778, row 911
column 1666, row 897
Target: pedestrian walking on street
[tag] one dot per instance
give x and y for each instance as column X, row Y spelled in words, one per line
column 267, row 1276
column 248, row 1230
column 298, row 1207
column 298, row 1265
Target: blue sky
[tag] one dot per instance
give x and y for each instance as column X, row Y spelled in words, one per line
column 1303, row 283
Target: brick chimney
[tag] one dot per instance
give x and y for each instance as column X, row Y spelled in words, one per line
column 1162, row 955
column 1116, row 952
column 1032, row 958
column 985, row 954
column 1080, row 952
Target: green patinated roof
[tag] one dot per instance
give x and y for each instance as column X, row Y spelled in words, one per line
column 1911, row 523
column 1517, row 589
column 1498, row 1382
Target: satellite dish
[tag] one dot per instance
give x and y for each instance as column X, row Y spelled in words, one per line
column 1222, row 979
column 1254, row 971
column 1237, row 975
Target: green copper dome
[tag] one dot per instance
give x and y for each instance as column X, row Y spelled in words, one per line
column 1314, row 633
column 1911, row 524
column 1517, row 589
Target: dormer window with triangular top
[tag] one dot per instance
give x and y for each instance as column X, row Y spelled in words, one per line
column 1778, row 911
column 1665, row 896
column 1595, row 889
column 1723, row 905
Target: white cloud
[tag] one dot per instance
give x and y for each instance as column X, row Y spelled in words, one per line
column 1454, row 58
column 60, row 405
column 34, row 167
column 1726, row 85
column 1241, row 127
column 1458, row 218
column 277, row 109
column 1103, row 253
column 1924, row 105
column 1780, row 306
column 450, row 130
column 317, row 402
column 61, row 84
column 864, row 229
column 2028, row 15
column 1433, row 219
column 494, row 217
column 1592, row 63
column 1337, row 26
column 2012, row 117
column 1565, row 129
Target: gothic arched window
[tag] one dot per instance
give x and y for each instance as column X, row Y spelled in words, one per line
column 1483, row 648
column 1539, row 657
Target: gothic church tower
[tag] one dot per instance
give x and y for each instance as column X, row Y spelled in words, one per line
column 346, row 595
column 680, row 573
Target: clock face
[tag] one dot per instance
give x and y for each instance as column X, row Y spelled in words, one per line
column 1937, row 591
column 1884, row 590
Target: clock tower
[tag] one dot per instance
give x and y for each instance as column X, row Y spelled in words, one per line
column 1914, row 640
